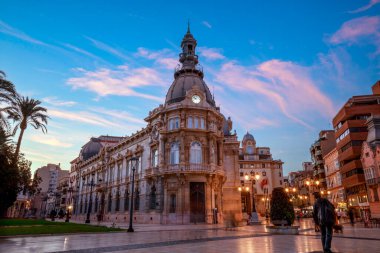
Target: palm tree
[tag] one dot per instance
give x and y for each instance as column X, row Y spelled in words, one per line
column 7, row 95
column 24, row 111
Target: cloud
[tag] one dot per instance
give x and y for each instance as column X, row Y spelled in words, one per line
column 286, row 85
column 207, row 24
column 211, row 53
column 363, row 30
column 119, row 115
column 82, row 117
column 7, row 29
column 56, row 102
column 111, row 50
column 81, row 51
column 51, row 141
column 121, row 81
column 366, row 7
column 164, row 58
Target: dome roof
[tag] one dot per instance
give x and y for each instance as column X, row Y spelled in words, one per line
column 184, row 82
column 248, row 137
column 188, row 74
column 91, row 148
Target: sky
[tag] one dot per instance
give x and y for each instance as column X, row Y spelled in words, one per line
column 280, row 69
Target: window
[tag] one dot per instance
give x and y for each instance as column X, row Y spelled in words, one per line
column 109, row 202
column 117, row 201
column 172, row 203
column 190, row 122
column 155, row 158
column 196, row 153
column 153, row 197
column 264, row 173
column 203, row 123
column 249, row 150
column 196, row 122
column 241, row 174
column 263, row 165
column 173, row 123
column 174, row 153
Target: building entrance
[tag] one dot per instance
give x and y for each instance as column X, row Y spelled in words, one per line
column 197, row 202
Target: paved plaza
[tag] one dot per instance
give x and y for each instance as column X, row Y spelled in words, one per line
column 198, row 238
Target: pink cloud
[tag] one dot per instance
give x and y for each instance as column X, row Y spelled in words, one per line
column 120, row 81
column 286, row 84
column 366, row 7
column 164, row 58
column 211, row 53
column 356, row 29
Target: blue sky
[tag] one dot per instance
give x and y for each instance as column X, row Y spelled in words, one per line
column 280, row 69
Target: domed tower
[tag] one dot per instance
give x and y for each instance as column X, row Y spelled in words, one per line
column 188, row 136
column 249, row 144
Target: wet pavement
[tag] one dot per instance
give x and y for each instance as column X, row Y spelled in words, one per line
column 198, row 238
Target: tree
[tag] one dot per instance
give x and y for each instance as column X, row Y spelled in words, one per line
column 7, row 95
column 24, row 111
column 281, row 207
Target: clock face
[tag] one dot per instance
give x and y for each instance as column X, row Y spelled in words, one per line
column 196, row 99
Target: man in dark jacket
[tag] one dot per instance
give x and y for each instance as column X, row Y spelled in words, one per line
column 323, row 223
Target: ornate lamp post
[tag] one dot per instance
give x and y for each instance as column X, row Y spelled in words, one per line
column 134, row 165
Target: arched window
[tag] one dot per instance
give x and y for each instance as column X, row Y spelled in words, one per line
column 174, row 153
column 109, row 202
column 117, row 201
column 195, row 153
column 249, row 150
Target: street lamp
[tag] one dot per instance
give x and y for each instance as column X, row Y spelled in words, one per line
column 134, row 164
column 91, row 184
column 254, row 217
column 68, row 213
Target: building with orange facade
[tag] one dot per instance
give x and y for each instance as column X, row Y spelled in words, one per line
column 370, row 158
column 350, row 133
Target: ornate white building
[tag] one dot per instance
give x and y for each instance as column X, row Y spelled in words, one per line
column 259, row 175
column 188, row 168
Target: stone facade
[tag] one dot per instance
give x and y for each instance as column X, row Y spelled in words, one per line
column 187, row 168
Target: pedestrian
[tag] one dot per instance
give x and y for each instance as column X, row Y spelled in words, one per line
column 351, row 216
column 324, row 219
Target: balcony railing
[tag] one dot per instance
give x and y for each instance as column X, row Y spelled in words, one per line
column 193, row 168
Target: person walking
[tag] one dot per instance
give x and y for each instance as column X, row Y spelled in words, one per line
column 324, row 218
column 351, row 215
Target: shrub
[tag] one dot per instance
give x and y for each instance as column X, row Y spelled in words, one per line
column 281, row 207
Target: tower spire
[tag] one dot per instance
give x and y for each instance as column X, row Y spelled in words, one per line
column 188, row 25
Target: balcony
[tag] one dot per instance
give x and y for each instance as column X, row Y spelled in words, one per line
column 350, row 153
column 350, row 166
column 353, row 180
column 193, row 168
column 373, row 181
column 152, row 171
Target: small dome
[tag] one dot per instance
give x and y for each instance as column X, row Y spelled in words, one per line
column 185, row 82
column 248, row 137
column 91, row 149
